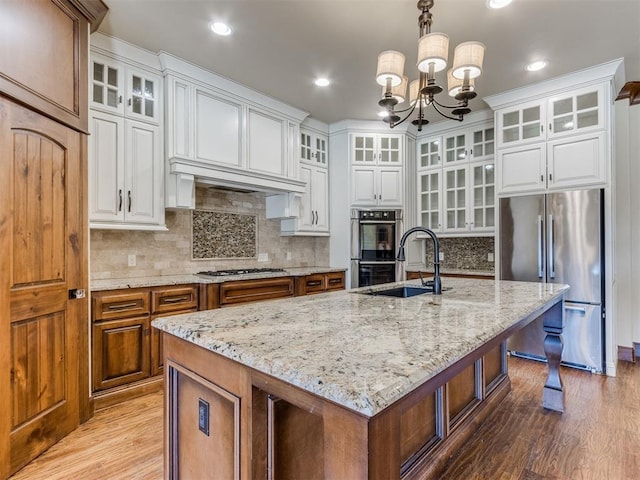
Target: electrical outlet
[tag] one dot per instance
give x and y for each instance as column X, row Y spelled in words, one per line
column 441, row 256
column 288, row 256
column 490, row 256
column 131, row 260
column 263, row 257
column 203, row 416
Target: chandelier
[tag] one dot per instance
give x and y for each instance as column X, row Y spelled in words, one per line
column 433, row 51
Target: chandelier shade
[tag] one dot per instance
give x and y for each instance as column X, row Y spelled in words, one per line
column 390, row 67
column 433, row 48
column 454, row 84
column 414, row 93
column 468, row 57
column 399, row 92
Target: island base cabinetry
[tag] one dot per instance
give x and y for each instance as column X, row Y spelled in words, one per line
column 226, row 420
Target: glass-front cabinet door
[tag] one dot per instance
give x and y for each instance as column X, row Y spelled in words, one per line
column 455, row 148
column 483, row 196
column 364, row 149
column 143, row 91
column 389, row 149
column 429, row 153
column 482, row 144
column 578, row 112
column 106, row 89
column 305, row 147
column 430, row 204
column 455, row 199
column 320, row 154
column 522, row 124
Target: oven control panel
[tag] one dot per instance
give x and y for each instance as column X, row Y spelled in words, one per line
column 378, row 215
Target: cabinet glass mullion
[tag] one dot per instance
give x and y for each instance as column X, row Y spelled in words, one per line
column 305, row 146
column 389, row 149
column 483, row 200
column 364, row 149
column 429, row 154
column 455, row 198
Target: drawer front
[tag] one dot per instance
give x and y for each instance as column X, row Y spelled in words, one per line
column 120, row 304
column 335, row 281
column 255, row 290
column 171, row 299
column 315, row 283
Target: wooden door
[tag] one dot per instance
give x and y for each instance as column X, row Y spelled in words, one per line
column 43, row 334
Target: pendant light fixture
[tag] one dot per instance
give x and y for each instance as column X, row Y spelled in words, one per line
column 433, row 52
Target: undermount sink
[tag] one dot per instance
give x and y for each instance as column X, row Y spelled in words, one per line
column 401, row 292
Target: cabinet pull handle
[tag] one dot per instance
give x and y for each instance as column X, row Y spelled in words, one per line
column 184, row 298
column 120, row 200
column 551, row 177
column 541, row 128
column 333, row 281
column 129, row 197
column 122, row 306
column 120, row 99
column 314, row 283
column 550, row 128
column 129, row 102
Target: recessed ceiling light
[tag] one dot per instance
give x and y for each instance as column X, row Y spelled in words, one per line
column 498, row 3
column 220, row 28
column 322, row 82
column 535, row 66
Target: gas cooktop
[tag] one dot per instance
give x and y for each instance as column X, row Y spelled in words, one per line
column 240, row 271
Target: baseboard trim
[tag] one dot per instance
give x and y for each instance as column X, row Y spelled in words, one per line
column 626, row 354
column 122, row 394
column 636, row 349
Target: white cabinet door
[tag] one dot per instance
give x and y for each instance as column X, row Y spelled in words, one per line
column 482, row 143
column 179, row 118
column 430, row 200
column 144, row 91
column 363, row 186
column 320, row 199
column 389, row 149
column 522, row 124
column 429, row 154
column 522, row 169
column 576, row 161
column 455, row 181
column 107, row 85
column 455, row 149
column 364, row 149
column 576, row 112
column 482, row 196
column 306, row 215
column 266, row 137
column 390, row 186
column 143, row 179
column 106, row 168
column 217, row 129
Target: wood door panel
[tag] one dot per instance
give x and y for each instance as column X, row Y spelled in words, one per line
column 418, row 427
column 39, row 209
column 461, row 392
column 37, row 367
column 44, row 245
column 242, row 291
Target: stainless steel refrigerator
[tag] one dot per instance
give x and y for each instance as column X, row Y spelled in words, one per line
column 559, row 238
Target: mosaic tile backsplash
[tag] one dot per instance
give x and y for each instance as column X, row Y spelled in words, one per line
column 223, row 235
column 464, row 253
column 170, row 252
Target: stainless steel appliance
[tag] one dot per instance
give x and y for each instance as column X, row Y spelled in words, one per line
column 374, row 238
column 559, row 238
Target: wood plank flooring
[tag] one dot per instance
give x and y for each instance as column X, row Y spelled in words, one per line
column 598, row 437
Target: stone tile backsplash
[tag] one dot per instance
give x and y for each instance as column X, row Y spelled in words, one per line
column 464, row 253
column 219, row 235
column 170, row 252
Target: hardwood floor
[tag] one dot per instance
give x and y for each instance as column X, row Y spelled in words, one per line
column 598, row 437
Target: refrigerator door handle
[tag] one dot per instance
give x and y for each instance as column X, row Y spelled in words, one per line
column 550, row 247
column 576, row 309
column 540, row 242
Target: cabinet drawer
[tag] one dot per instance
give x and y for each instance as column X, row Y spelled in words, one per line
column 315, row 283
column 111, row 305
column 255, row 290
column 335, row 281
column 173, row 299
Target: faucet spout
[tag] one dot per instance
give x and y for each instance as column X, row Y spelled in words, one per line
column 437, row 284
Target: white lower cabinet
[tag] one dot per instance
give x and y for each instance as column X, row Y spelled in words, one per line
column 125, row 174
column 376, row 186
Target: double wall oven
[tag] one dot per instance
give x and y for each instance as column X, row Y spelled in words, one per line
column 374, row 244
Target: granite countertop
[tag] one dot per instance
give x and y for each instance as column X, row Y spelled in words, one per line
column 361, row 351
column 162, row 280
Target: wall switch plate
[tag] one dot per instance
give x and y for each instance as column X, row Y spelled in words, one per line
column 131, row 260
column 490, row 256
column 440, row 256
column 203, row 416
column 288, row 256
column 263, row 257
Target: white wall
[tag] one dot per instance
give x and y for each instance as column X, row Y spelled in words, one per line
column 627, row 228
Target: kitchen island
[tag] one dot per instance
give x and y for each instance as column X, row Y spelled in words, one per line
column 345, row 385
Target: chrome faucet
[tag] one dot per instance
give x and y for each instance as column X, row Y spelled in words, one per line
column 437, row 284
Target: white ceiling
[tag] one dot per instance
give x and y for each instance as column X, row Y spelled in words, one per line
column 279, row 46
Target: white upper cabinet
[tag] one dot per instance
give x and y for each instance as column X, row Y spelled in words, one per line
column 556, row 135
column 455, row 178
column 266, row 143
column 377, row 174
column 314, row 148
column 126, row 160
column 119, row 88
